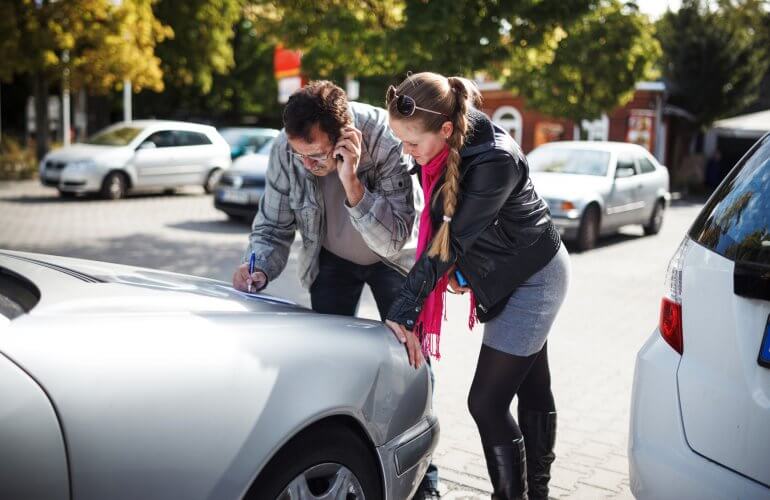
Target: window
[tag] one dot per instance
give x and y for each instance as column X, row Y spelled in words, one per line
column 646, row 165
column 568, row 161
column 735, row 223
column 186, row 138
column 626, row 167
column 509, row 118
column 162, row 139
column 120, row 136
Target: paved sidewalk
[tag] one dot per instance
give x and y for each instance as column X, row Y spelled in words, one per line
column 611, row 309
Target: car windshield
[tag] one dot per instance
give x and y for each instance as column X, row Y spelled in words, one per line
column 265, row 148
column 569, row 161
column 120, row 136
column 238, row 137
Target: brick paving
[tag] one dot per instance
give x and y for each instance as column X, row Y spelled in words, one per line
column 610, row 311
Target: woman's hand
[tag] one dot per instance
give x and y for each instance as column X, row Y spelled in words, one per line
column 408, row 338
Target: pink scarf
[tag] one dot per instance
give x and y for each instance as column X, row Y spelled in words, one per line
column 428, row 327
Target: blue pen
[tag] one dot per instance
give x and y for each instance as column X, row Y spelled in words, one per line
column 252, row 264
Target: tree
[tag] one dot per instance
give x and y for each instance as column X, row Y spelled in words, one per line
column 586, row 67
column 97, row 42
column 201, row 47
column 715, row 58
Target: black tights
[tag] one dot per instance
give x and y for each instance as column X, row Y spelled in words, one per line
column 499, row 377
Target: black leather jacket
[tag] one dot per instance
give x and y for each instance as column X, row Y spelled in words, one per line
column 501, row 233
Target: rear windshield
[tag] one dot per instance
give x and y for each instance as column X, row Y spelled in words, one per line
column 569, row 161
column 735, row 223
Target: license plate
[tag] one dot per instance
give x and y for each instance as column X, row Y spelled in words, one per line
column 764, row 350
column 234, row 196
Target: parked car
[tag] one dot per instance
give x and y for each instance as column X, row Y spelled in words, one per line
column 239, row 190
column 121, row 382
column 594, row 188
column 247, row 140
column 138, row 155
column 700, row 411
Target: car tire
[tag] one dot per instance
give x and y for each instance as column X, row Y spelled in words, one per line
column 211, row 180
column 114, row 186
column 315, row 462
column 656, row 219
column 588, row 231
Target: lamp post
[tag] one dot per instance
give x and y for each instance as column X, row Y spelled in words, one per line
column 65, row 99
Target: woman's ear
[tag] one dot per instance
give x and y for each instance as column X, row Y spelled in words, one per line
column 446, row 129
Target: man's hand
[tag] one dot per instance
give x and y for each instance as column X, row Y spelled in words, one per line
column 248, row 283
column 409, row 339
column 349, row 147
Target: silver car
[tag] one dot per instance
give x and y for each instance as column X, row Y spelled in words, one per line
column 240, row 188
column 138, row 155
column 123, row 383
column 594, row 188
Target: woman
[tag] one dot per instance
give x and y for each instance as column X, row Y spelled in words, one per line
column 484, row 219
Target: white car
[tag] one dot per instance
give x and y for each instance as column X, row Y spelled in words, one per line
column 138, row 155
column 700, row 411
column 594, row 188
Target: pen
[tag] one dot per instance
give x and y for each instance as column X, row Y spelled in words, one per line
column 252, row 263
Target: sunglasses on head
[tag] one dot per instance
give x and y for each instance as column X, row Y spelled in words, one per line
column 405, row 105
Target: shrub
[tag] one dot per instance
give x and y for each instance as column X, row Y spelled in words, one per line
column 16, row 162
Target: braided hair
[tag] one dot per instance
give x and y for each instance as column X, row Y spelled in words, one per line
column 451, row 97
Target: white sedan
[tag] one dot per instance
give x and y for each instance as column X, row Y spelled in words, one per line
column 138, row 155
column 594, row 188
column 700, row 409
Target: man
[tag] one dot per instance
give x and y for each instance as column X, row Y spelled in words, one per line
column 336, row 173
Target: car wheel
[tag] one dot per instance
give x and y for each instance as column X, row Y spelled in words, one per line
column 324, row 462
column 211, row 180
column 588, row 232
column 114, row 186
column 656, row 219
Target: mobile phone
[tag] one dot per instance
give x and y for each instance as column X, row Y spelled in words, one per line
column 460, row 278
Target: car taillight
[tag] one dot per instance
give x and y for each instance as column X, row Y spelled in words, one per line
column 670, row 323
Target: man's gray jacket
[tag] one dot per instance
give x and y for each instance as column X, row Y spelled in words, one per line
column 293, row 200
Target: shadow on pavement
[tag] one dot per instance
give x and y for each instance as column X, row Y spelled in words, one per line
column 90, row 198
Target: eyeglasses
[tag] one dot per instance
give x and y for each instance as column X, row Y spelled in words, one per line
column 316, row 158
column 405, row 105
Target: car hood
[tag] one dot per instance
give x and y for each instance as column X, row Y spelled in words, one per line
column 567, row 186
column 98, row 154
column 71, row 286
column 252, row 164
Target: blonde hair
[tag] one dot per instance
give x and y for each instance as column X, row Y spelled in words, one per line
column 452, row 97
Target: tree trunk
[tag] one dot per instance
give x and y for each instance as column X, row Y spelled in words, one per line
column 40, row 85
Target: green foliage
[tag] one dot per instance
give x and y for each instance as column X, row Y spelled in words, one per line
column 588, row 66
column 201, row 47
column 16, row 162
column 715, row 58
column 98, row 42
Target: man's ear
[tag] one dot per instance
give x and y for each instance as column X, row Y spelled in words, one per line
column 446, row 129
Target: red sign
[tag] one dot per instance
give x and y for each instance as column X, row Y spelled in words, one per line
column 286, row 62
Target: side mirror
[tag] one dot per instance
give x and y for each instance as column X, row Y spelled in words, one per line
column 147, row 145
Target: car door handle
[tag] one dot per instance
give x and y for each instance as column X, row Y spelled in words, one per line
column 751, row 280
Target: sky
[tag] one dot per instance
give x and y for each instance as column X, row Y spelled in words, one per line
column 656, row 8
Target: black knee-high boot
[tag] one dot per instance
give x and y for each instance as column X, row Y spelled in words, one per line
column 507, row 466
column 539, row 430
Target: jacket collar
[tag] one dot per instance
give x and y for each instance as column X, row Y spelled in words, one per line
column 480, row 136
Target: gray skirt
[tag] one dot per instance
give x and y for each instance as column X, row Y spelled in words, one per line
column 523, row 325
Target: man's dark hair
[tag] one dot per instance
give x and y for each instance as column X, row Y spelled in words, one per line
column 319, row 102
